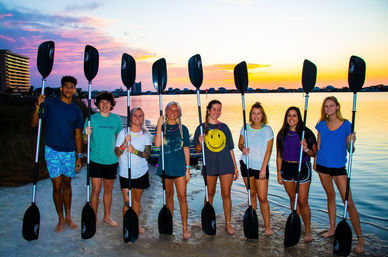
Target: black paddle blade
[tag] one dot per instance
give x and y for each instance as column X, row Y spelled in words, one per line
column 293, row 227
column 195, row 70
column 208, row 219
column 356, row 75
column 90, row 62
column 31, row 223
column 342, row 239
column 309, row 76
column 128, row 70
column 45, row 58
column 251, row 224
column 88, row 222
column 241, row 77
column 159, row 75
column 165, row 221
column 130, row 226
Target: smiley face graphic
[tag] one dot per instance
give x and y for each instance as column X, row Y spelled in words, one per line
column 215, row 140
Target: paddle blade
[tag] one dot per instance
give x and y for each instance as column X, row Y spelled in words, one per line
column 88, row 222
column 241, row 76
column 165, row 221
column 251, row 224
column 356, row 75
column 309, row 76
column 31, row 223
column 208, row 219
column 342, row 239
column 293, row 227
column 90, row 62
column 195, row 70
column 128, row 70
column 130, row 226
column 45, row 58
column 159, row 75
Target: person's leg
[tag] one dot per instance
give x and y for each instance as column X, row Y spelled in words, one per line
column 107, row 199
column 305, row 209
column 58, row 201
column 94, row 197
column 253, row 191
column 211, row 187
column 181, row 190
column 136, row 204
column 327, row 184
column 290, row 188
column 67, row 193
column 169, row 184
column 125, row 198
column 226, row 184
column 341, row 182
column 262, row 192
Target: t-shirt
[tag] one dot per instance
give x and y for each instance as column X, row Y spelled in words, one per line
column 103, row 137
column 139, row 165
column 291, row 146
column 218, row 143
column 333, row 149
column 257, row 143
column 174, row 157
column 61, row 121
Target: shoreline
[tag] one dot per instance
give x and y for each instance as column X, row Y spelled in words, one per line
column 108, row 240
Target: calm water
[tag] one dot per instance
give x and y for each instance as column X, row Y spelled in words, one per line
column 369, row 181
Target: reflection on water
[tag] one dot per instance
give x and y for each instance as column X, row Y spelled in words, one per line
column 369, row 173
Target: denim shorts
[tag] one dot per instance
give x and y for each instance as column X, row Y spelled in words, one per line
column 59, row 163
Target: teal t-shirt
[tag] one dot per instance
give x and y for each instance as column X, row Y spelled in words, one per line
column 103, row 138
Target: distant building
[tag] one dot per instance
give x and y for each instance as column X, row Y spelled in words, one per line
column 14, row 72
column 136, row 88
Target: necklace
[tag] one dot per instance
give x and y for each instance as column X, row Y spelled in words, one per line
column 169, row 128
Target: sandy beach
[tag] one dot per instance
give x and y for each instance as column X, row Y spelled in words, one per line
column 108, row 241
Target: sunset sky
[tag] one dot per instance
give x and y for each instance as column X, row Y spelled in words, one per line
column 273, row 37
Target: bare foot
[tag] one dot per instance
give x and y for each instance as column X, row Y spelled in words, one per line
column 330, row 232
column 359, row 246
column 59, row 226
column 229, row 228
column 308, row 237
column 186, row 233
column 70, row 223
column 110, row 222
column 268, row 232
column 141, row 230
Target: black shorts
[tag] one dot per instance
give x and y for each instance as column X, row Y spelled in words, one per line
column 252, row 172
column 139, row 183
column 290, row 172
column 170, row 177
column 332, row 171
column 105, row 171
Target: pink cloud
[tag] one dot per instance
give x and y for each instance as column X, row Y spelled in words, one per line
column 7, row 38
column 6, row 15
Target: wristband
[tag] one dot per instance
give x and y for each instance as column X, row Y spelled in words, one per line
column 136, row 152
column 79, row 155
column 188, row 167
column 306, row 150
column 122, row 147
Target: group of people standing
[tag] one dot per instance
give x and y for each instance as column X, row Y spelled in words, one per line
column 111, row 145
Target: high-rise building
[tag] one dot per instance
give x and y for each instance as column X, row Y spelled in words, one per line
column 14, row 72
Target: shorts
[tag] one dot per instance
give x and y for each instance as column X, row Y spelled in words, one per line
column 59, row 163
column 139, row 183
column 170, row 177
column 290, row 172
column 105, row 171
column 332, row 171
column 252, row 172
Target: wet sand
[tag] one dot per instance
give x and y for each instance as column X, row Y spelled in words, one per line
column 108, row 241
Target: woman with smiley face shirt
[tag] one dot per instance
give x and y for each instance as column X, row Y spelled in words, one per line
column 220, row 160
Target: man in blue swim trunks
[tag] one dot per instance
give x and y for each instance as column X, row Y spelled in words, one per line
column 63, row 145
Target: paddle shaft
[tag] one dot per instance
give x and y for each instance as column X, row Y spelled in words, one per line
column 301, row 149
column 246, row 146
column 36, row 163
column 88, row 146
column 202, row 145
column 128, row 153
column 162, row 148
column 350, row 156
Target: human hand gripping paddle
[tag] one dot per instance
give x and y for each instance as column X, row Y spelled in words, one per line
column 31, row 219
column 88, row 219
column 293, row 225
column 343, row 233
column 130, row 221
column 208, row 216
column 251, row 224
column 159, row 78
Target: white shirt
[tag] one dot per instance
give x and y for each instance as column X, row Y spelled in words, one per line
column 139, row 165
column 257, row 144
